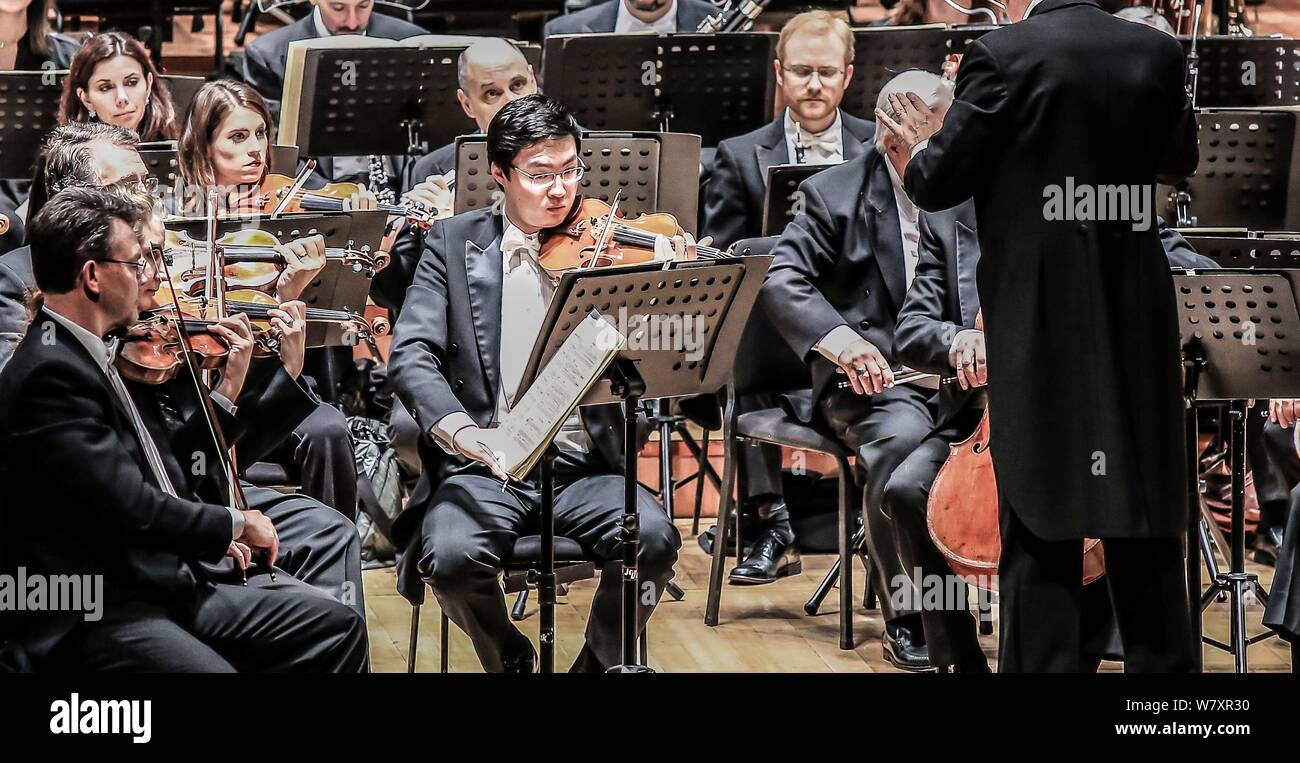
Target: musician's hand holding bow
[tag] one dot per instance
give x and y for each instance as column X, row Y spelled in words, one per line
column 303, row 259
column 916, row 122
column 258, row 535
column 290, row 323
column 969, row 357
column 866, row 367
column 1284, row 413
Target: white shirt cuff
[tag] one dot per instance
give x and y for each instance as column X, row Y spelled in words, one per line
column 919, row 147
column 444, row 431
column 236, row 522
column 835, row 342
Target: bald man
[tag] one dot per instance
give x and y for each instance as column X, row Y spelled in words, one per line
column 491, row 73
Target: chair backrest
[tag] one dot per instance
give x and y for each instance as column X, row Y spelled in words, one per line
column 765, row 362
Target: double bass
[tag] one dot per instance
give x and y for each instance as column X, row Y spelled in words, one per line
column 962, row 510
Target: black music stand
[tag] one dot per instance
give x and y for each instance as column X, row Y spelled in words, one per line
column 648, row 167
column 1240, row 335
column 1246, row 72
column 717, row 296
column 339, row 286
column 161, row 163
column 183, row 89
column 1248, row 252
column 1244, row 177
column 879, row 53
column 29, row 108
column 715, row 86
column 781, row 202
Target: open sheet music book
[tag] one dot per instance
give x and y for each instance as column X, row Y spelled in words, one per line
column 537, row 417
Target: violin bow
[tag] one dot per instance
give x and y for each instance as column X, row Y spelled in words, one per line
column 609, row 228
column 293, row 190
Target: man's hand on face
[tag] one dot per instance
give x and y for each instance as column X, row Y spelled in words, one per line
column 916, row 122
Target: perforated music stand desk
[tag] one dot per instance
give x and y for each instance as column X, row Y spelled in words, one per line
column 1248, row 252
column 1246, row 174
column 1246, row 72
column 781, row 202
column 1240, row 336
column 715, row 86
column 657, row 172
column 161, row 163
column 339, row 286
column 879, row 53
column 29, row 108
column 717, row 297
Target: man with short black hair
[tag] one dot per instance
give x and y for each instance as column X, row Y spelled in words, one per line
column 467, row 328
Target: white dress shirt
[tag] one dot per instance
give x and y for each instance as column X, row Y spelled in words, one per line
column 526, row 291
column 626, row 22
column 825, row 147
column 102, row 356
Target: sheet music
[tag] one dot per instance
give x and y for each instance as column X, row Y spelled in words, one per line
column 538, row 416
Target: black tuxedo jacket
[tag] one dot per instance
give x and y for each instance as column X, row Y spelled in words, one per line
column 601, row 18
column 447, row 347
column 80, row 497
column 733, row 197
column 839, row 262
column 1077, row 311
column 16, row 288
column 264, row 57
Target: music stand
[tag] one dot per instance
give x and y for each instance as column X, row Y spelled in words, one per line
column 161, row 163
column 1246, row 72
column 1240, row 336
column 782, row 202
column 340, row 285
column 1244, row 176
column 879, row 53
column 1248, row 252
column 646, row 166
column 183, row 89
column 29, row 108
column 710, row 299
column 715, row 86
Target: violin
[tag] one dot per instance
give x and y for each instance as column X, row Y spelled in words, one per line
column 278, row 194
column 596, row 235
column 252, row 260
column 257, row 306
column 962, row 510
column 153, row 350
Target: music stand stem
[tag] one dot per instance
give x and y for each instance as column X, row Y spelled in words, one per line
column 546, row 594
column 626, row 383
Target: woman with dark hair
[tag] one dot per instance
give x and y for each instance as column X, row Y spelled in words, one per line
column 113, row 80
column 224, row 144
column 26, row 42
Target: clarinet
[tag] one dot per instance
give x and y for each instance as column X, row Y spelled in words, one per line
column 379, row 180
column 734, row 17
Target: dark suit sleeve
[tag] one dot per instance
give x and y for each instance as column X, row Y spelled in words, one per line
column 946, row 172
column 806, row 250
column 724, row 199
column 271, row 410
column 1180, row 253
column 13, row 312
column 260, row 72
column 923, row 338
column 71, row 447
column 419, row 349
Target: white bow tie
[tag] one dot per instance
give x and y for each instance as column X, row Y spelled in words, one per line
column 827, row 142
column 517, row 249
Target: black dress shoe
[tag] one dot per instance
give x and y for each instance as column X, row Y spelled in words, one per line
column 1268, row 541
column 773, row 557
column 521, row 662
column 902, row 652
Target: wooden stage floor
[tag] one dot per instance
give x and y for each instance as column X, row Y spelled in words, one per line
column 762, row 629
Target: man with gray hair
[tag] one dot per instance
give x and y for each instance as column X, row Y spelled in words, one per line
column 837, row 281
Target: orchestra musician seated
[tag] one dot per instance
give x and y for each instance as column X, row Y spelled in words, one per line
column 224, row 144
column 840, row 272
column 459, row 348
column 813, row 65
column 624, row 16
column 113, row 79
column 91, row 491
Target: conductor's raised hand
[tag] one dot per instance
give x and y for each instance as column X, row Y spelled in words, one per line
column 915, row 121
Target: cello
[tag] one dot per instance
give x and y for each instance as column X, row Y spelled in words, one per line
column 962, row 510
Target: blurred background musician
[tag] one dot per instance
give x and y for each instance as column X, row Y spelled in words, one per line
column 624, row 16
column 113, row 80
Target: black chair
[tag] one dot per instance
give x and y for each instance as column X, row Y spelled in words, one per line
column 765, row 364
column 519, row 574
column 149, row 21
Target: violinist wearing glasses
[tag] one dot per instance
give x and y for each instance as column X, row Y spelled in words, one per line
column 471, row 316
column 93, row 490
